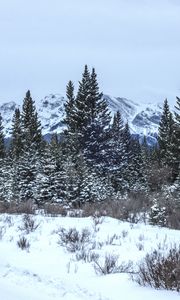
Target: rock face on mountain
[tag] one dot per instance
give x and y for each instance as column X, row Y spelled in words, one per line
column 143, row 119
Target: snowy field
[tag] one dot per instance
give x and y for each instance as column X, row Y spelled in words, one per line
column 48, row 270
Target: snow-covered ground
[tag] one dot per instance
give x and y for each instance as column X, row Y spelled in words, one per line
column 49, row 271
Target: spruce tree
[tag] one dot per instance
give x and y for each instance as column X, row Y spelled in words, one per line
column 137, row 168
column 2, row 145
column 27, row 168
column 97, row 129
column 16, row 141
column 117, row 157
column 81, row 102
column 31, row 126
column 69, row 107
column 117, row 125
column 32, row 149
column 165, row 134
column 2, row 164
column 45, row 179
column 87, row 119
column 175, row 147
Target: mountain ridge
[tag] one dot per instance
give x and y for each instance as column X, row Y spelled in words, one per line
column 143, row 118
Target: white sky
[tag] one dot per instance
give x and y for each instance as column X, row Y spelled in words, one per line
column 133, row 44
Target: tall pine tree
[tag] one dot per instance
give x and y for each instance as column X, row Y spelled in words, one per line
column 16, row 141
column 165, row 134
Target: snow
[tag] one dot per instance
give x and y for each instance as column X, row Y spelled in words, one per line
column 48, row 271
column 51, row 114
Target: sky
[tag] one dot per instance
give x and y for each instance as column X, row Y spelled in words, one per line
column 134, row 46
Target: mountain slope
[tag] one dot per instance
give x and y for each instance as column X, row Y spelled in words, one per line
column 143, row 119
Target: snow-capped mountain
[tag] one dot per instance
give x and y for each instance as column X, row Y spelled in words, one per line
column 143, row 119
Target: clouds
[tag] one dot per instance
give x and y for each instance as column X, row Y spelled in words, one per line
column 134, row 46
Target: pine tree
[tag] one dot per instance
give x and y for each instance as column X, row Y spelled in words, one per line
column 2, row 145
column 27, row 169
column 158, row 214
column 137, row 174
column 117, row 157
column 117, row 125
column 2, row 164
column 31, row 126
column 165, row 134
column 16, row 142
column 88, row 119
column 32, row 149
column 175, row 141
column 97, row 130
column 45, row 179
column 3, row 180
column 81, row 102
column 69, row 107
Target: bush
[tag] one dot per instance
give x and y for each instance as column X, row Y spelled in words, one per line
column 87, row 256
column 110, row 265
column 29, row 224
column 23, row 243
column 74, row 240
column 17, row 208
column 55, row 209
column 160, row 271
column 130, row 208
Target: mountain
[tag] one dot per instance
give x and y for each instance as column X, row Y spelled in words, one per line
column 143, row 119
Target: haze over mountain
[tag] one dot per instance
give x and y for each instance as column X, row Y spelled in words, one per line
column 133, row 44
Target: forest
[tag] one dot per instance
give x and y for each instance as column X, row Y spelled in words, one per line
column 96, row 163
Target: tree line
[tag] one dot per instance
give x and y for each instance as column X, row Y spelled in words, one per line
column 96, row 158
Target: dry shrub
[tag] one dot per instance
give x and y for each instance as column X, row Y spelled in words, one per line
column 129, row 209
column 110, row 265
column 23, row 243
column 55, row 209
column 17, row 208
column 87, row 256
column 105, row 208
column 160, row 271
column 29, row 224
column 74, row 240
column 3, row 207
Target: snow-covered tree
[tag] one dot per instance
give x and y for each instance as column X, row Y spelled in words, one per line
column 165, row 135
column 16, row 140
column 158, row 214
column 2, row 146
column 31, row 126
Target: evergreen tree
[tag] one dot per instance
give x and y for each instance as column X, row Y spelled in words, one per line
column 97, row 129
column 87, row 119
column 2, row 164
column 137, row 174
column 81, row 102
column 146, row 153
column 32, row 149
column 117, row 126
column 45, row 179
column 27, row 169
column 69, row 107
column 16, row 142
column 175, row 141
column 2, row 146
column 165, row 134
column 117, row 157
column 31, row 126
column 158, row 214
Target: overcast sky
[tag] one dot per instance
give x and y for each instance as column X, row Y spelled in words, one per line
column 133, row 44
